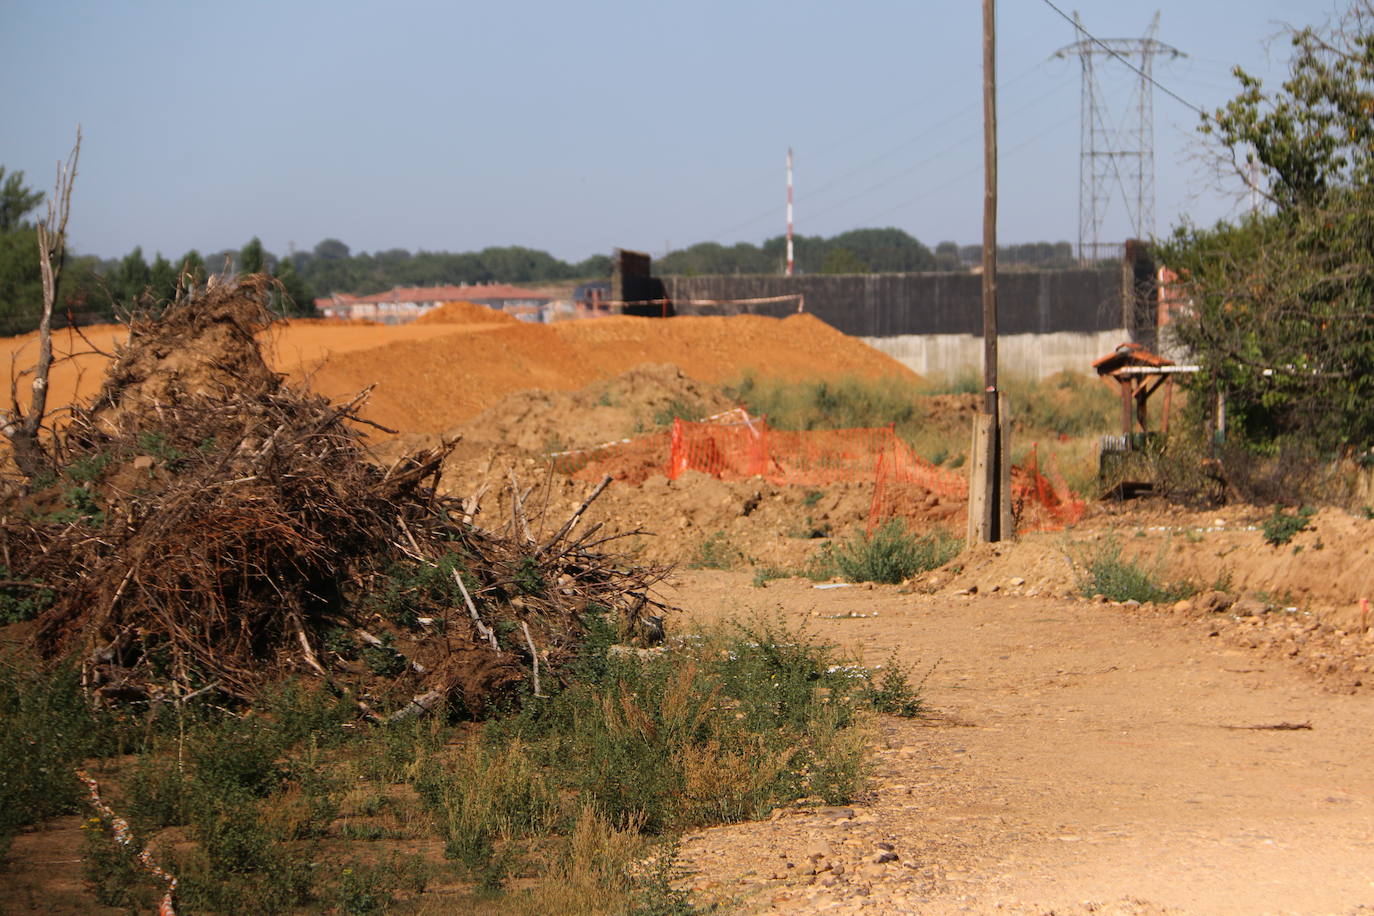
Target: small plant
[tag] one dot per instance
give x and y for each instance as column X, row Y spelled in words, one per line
column 676, row 409
column 88, row 469
column 528, row 578
column 383, row 660
column 1106, row 573
column 889, row 555
column 19, row 600
column 82, row 506
column 891, row 692
column 113, row 869
column 1281, row 527
column 363, row 888
column 156, row 444
column 716, row 552
column 812, row 497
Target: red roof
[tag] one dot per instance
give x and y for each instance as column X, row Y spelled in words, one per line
column 442, row 294
column 1129, row 354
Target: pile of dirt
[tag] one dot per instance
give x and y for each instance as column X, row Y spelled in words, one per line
column 641, row 399
column 208, row 529
column 461, row 312
column 430, row 385
column 432, row 375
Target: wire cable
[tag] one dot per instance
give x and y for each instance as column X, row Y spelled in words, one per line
column 1104, row 46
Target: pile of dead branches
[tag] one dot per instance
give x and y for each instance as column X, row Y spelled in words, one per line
column 207, row 529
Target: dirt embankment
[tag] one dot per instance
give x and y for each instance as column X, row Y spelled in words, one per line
column 433, row 385
column 433, row 375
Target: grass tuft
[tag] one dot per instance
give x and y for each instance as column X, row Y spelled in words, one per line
column 1104, row 572
column 888, row 555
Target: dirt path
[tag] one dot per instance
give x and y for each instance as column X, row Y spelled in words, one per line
column 1083, row 760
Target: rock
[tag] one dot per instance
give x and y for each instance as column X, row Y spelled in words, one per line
column 885, row 847
column 1183, row 606
column 1016, row 581
column 144, row 463
column 1215, row 602
column 839, row 814
column 882, row 858
column 1130, row 602
column 1249, row 606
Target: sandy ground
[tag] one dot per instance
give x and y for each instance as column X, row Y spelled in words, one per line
column 1080, row 759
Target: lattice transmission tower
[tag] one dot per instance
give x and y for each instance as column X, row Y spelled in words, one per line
column 1117, row 149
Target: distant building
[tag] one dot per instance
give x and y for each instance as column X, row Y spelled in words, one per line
column 406, row 303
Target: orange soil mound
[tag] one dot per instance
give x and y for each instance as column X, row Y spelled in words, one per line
column 434, row 385
column 433, row 376
column 461, row 312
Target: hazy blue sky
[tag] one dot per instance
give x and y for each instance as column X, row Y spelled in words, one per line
column 576, row 127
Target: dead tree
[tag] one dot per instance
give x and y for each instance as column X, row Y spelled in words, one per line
column 22, row 427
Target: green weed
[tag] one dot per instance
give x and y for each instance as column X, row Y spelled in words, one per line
column 1104, row 572
column 888, row 555
column 716, row 552
column 19, row 600
column 1281, row 527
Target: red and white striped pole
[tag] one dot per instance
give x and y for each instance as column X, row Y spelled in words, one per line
column 789, row 211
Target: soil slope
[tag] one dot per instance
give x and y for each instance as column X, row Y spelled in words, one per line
column 431, row 376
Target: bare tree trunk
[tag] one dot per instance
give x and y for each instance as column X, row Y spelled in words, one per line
column 19, row 426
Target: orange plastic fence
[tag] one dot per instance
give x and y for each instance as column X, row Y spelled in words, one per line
column 736, row 446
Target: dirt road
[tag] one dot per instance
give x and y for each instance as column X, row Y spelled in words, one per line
column 1082, row 759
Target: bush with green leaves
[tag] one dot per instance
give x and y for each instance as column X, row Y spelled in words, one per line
column 47, row 730
column 716, row 552
column 889, row 555
column 1103, row 571
column 1281, row 527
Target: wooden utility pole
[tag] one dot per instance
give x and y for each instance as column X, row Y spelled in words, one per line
column 989, row 491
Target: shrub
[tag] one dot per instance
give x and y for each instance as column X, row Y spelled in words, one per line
column 20, row 601
column 48, row 729
column 891, row 692
column 716, row 552
column 1105, row 573
column 1281, row 527
column 889, row 555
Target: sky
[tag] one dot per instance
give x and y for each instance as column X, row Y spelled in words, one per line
column 580, row 127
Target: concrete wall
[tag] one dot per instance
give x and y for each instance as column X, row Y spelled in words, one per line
column 891, row 305
column 1048, row 321
column 948, row 356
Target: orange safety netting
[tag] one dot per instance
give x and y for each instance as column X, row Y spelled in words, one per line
column 736, row 446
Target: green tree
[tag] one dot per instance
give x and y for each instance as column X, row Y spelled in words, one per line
column 843, row 261
column 252, row 258
column 1281, row 317
column 16, row 200
column 21, row 280
column 295, row 297
column 191, row 269
column 162, row 278
column 132, row 279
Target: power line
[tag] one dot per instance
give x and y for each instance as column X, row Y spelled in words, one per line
column 956, row 145
column 974, row 170
column 806, row 198
column 1105, row 47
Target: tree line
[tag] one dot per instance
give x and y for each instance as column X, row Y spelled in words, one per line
column 96, row 289
column 858, row 251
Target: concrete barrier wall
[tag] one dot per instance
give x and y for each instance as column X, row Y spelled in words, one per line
column 943, row 357
column 892, row 305
column 1048, row 321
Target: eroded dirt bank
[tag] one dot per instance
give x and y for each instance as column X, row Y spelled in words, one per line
column 1082, row 758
